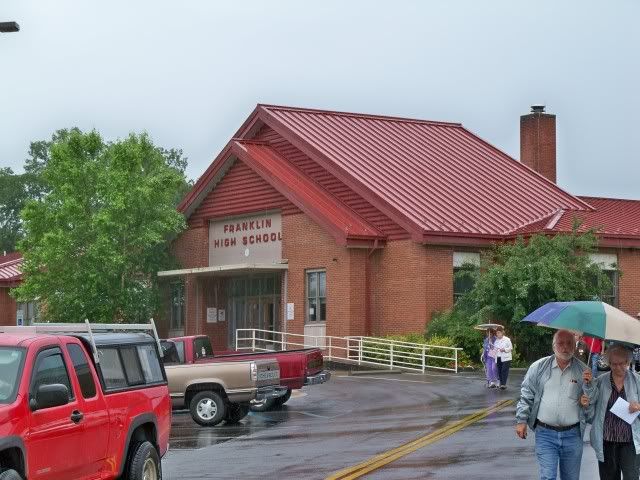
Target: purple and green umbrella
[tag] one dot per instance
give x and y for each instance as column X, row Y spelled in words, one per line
column 595, row 319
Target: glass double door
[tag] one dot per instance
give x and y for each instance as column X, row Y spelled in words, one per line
column 254, row 302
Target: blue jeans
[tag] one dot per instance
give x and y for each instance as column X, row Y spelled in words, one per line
column 562, row 449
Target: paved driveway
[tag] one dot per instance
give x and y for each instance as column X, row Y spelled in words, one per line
column 327, row 428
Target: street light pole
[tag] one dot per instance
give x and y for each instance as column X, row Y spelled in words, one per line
column 9, row 27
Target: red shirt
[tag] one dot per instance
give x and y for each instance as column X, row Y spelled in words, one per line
column 594, row 344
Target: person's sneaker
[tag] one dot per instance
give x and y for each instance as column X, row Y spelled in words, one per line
column 503, row 387
column 493, row 385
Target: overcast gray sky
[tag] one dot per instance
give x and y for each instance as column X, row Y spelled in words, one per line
column 190, row 72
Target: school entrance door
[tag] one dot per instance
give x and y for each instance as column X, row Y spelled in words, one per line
column 254, row 302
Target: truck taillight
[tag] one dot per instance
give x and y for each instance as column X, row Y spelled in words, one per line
column 254, row 372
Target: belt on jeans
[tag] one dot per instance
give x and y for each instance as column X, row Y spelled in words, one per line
column 557, row 429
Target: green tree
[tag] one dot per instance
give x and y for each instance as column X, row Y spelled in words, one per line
column 99, row 233
column 516, row 278
column 13, row 196
column 17, row 189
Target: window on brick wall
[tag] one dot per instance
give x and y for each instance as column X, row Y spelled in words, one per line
column 177, row 306
column 316, row 296
column 465, row 269
column 608, row 263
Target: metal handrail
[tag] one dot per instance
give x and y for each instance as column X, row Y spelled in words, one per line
column 357, row 349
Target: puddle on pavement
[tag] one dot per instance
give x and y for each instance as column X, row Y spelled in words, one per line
column 188, row 435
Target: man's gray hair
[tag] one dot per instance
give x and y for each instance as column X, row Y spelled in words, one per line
column 619, row 351
column 561, row 332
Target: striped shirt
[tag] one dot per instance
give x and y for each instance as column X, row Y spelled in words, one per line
column 616, row 429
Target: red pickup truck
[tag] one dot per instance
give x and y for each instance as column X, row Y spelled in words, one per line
column 81, row 406
column 297, row 367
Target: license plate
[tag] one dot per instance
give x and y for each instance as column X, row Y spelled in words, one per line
column 269, row 375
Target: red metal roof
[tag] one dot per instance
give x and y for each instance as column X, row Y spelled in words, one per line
column 616, row 221
column 10, row 272
column 612, row 218
column 437, row 180
column 431, row 177
column 324, row 208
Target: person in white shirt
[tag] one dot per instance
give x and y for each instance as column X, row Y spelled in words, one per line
column 503, row 359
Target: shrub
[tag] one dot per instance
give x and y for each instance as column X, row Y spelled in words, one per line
column 373, row 351
column 458, row 327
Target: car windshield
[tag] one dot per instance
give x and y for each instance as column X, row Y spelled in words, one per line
column 10, row 366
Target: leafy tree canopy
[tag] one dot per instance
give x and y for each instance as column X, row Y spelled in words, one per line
column 16, row 189
column 13, row 196
column 516, row 278
column 98, row 233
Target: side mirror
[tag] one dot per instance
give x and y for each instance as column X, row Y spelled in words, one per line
column 48, row 396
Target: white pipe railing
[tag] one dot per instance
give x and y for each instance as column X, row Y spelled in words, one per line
column 360, row 350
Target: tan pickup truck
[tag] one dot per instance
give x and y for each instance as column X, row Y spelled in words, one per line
column 214, row 392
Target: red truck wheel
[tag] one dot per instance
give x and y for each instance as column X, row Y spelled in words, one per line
column 10, row 475
column 207, row 408
column 145, row 463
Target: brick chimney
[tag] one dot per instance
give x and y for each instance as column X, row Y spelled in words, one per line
column 538, row 141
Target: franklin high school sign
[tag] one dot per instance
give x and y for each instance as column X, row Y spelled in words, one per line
column 254, row 239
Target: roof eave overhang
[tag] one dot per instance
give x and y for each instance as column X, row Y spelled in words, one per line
column 611, row 241
column 224, row 269
column 458, row 239
column 206, row 182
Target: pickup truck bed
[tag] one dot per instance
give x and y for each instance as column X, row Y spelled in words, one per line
column 297, row 367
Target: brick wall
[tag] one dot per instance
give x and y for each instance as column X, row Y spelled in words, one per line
column 306, row 246
column 7, row 308
column 410, row 282
column 191, row 248
column 629, row 283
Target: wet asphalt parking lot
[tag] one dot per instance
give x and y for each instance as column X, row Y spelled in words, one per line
column 327, row 428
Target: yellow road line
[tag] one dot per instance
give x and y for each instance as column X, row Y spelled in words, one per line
column 385, row 458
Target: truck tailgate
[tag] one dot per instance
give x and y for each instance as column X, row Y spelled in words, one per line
column 268, row 372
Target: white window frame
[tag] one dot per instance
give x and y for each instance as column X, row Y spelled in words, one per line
column 608, row 262
column 307, row 319
column 460, row 259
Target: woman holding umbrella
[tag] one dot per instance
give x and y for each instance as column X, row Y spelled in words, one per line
column 616, row 442
column 489, row 358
